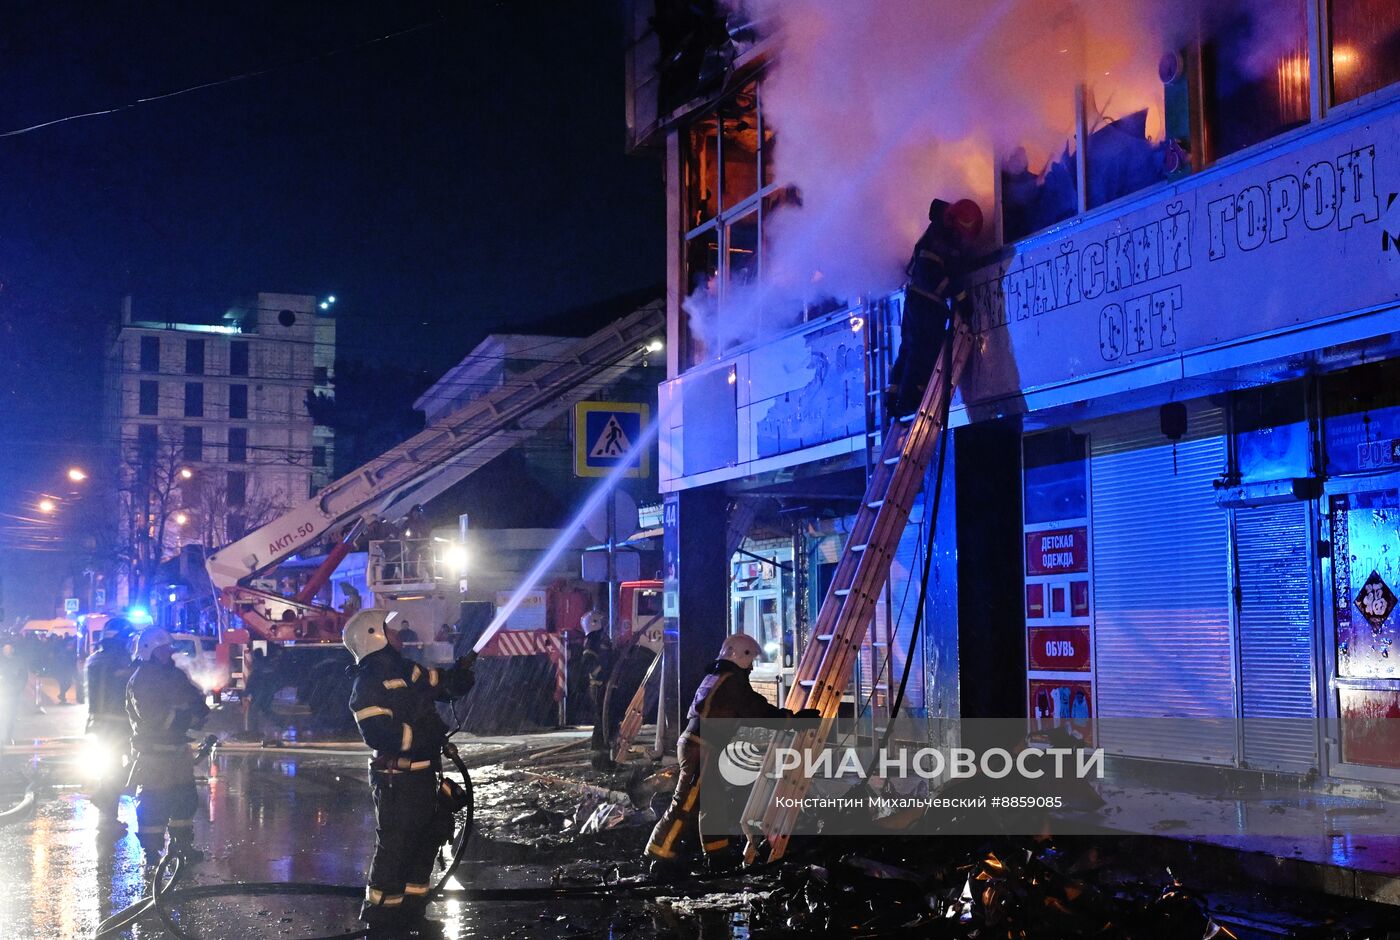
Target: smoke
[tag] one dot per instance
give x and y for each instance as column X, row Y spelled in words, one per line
column 880, row 106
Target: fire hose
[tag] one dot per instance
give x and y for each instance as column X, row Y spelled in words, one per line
column 166, row 890
column 21, row 809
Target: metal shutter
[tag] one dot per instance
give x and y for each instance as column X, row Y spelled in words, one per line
column 1161, row 568
column 1276, row 638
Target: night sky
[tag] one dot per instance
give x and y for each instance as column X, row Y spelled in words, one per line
column 443, row 183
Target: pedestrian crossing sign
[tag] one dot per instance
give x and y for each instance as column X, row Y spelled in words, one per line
column 605, row 433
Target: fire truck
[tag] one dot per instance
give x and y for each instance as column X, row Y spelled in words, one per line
column 410, row 573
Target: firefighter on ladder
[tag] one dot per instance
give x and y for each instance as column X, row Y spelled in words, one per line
column 164, row 705
column 706, row 802
column 935, row 291
column 392, row 701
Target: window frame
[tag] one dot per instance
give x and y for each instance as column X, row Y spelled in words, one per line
column 240, row 357
column 194, row 399
column 237, row 450
column 192, row 443
column 725, row 215
column 143, row 387
column 148, row 363
column 240, row 491
column 194, row 357
column 242, row 397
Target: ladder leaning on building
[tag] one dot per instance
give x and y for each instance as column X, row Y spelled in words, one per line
column 826, row 667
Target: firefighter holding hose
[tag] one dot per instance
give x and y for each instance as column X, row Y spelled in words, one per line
column 393, row 703
column 164, row 705
column 704, row 804
column 106, row 674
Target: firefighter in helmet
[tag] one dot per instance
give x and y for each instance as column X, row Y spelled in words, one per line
column 595, row 666
column 704, row 804
column 393, row 703
column 935, row 292
column 106, row 674
column 163, row 705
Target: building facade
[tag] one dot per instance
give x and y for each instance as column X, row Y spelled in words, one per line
column 208, row 426
column 1172, row 492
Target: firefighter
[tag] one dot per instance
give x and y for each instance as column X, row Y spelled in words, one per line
column 392, row 701
column 935, row 291
column 702, row 804
column 164, row 705
column 106, row 674
column 595, row 665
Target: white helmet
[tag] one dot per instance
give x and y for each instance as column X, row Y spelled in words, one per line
column 366, row 632
column 741, row 649
column 593, row 621
column 149, row 641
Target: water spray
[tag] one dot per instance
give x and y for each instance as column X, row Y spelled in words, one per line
column 591, row 505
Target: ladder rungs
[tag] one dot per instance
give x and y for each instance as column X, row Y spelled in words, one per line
column 825, row 637
column 808, row 683
column 861, row 547
column 843, row 592
column 891, row 461
column 875, row 503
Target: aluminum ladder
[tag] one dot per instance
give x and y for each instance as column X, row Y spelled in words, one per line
column 824, row 672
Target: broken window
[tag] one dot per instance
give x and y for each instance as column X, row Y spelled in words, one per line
column 702, row 294
column 702, row 171
column 739, row 123
column 741, row 250
column 728, row 192
column 1125, row 120
column 1365, row 46
column 1033, row 199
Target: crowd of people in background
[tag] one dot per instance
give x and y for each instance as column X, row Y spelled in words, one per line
column 44, row 655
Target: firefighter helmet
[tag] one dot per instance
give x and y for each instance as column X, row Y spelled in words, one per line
column 741, row 649
column 366, row 632
column 964, row 218
column 149, row 641
column 118, row 628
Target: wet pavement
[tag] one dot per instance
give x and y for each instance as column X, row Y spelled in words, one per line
column 303, row 814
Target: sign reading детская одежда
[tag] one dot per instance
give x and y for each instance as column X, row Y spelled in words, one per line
column 1304, row 231
column 1057, row 551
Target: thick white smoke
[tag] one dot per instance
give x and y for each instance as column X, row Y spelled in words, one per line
column 881, row 105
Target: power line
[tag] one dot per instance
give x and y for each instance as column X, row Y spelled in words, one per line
column 227, row 80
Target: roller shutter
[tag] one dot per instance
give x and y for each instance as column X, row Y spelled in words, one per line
column 1276, row 638
column 1164, row 659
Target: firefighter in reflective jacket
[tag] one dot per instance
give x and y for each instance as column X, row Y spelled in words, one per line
column 392, row 700
column 703, row 804
column 935, row 291
column 106, row 674
column 163, row 706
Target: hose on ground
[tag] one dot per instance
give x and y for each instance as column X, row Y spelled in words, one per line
column 21, row 809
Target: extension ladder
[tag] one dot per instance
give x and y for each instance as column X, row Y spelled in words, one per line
column 824, row 672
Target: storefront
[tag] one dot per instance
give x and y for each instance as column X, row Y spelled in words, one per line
column 1214, row 581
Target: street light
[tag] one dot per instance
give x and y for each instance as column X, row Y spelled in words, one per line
column 76, row 474
column 186, row 473
column 181, row 518
column 47, row 505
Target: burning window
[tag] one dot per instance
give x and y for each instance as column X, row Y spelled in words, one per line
column 729, row 192
column 1365, row 46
